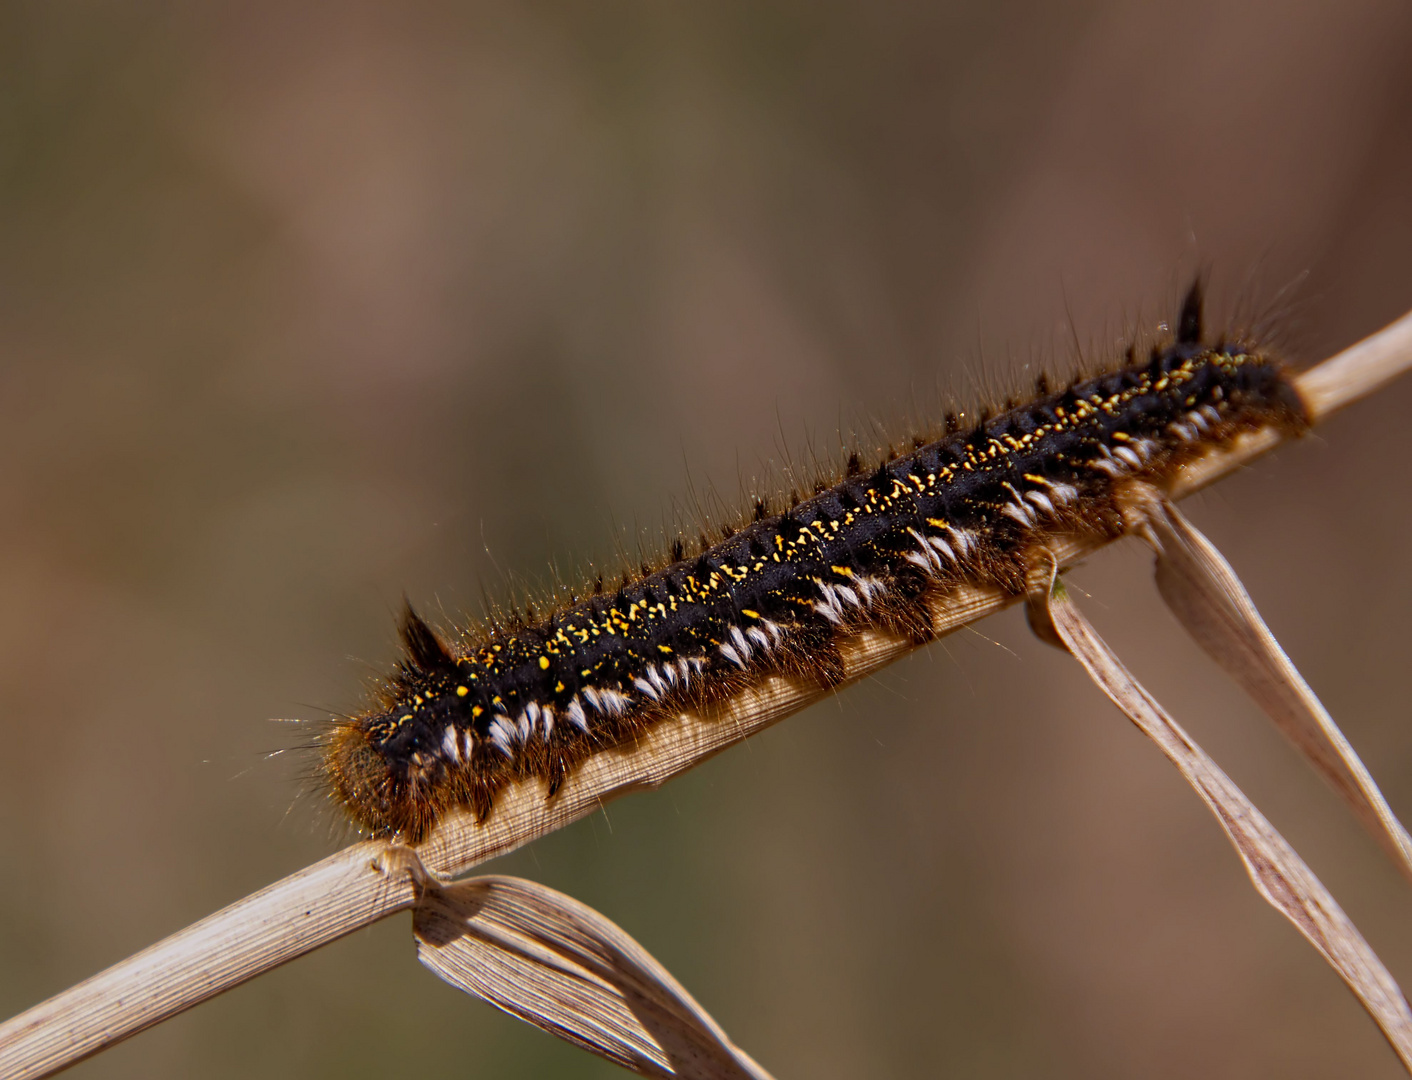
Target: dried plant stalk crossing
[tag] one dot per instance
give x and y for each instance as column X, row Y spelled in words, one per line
column 1276, row 870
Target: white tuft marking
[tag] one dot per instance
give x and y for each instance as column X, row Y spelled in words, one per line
column 468, row 743
column 870, row 587
column 647, row 688
column 616, row 701
column 1127, row 457
column 828, row 606
column 757, row 635
column 499, row 734
column 655, row 678
column 738, row 640
column 1106, row 464
column 1041, row 500
column 546, row 721
column 728, row 651
column 941, row 547
column 451, row 744
column 926, row 562
column 1020, row 512
column 577, row 716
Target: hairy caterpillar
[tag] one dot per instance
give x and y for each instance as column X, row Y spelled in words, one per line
column 531, row 698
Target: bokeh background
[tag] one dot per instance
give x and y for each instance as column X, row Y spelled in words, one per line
column 303, row 307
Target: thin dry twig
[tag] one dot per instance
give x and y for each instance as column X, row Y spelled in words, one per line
column 304, row 911
column 1206, row 596
column 559, row 965
column 355, row 887
column 1277, row 871
column 1358, row 371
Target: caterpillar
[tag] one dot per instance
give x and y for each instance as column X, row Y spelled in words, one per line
column 532, row 697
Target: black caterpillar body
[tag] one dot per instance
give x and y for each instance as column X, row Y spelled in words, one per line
column 457, row 723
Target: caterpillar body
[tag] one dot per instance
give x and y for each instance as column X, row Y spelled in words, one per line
column 458, row 721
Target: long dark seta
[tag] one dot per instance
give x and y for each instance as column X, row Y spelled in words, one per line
column 456, row 724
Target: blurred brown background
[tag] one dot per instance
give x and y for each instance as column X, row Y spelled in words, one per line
column 305, row 306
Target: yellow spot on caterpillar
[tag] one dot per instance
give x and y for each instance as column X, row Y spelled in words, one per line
column 748, row 612
column 461, row 691
column 476, row 710
column 1120, row 436
column 841, row 571
column 417, row 700
column 664, row 648
column 559, row 688
column 585, row 672
column 544, row 663
column 406, row 718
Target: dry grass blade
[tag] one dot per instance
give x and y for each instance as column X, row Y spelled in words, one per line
column 1206, row 596
column 559, row 965
column 1278, row 872
column 1357, row 371
column 335, row 896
